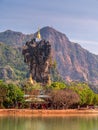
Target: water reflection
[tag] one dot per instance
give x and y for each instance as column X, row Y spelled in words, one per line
column 49, row 123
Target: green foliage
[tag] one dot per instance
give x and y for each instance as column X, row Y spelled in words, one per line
column 10, row 95
column 12, row 65
column 87, row 96
column 58, row 85
column 14, row 95
column 28, row 87
column 62, row 95
column 54, row 64
column 3, row 93
column 55, row 76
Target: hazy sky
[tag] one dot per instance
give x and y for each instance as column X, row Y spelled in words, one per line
column 78, row 19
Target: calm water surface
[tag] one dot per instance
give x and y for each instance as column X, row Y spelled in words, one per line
column 49, row 123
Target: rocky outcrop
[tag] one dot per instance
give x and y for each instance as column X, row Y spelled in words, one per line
column 37, row 55
column 7, row 73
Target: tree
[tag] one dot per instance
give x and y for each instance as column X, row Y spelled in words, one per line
column 64, row 98
column 3, row 93
column 14, row 96
column 29, row 88
column 87, row 96
column 58, row 85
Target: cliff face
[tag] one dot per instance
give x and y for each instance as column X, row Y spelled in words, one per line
column 74, row 63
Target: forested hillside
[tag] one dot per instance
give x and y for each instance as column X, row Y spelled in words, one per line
column 12, row 66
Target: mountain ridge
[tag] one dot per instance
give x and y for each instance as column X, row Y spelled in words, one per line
column 14, row 38
column 77, row 63
column 73, row 62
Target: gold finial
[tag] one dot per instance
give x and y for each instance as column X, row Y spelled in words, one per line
column 38, row 35
column 30, row 78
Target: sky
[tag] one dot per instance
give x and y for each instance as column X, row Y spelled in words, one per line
column 78, row 19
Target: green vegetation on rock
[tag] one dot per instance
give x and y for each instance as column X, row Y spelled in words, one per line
column 12, row 67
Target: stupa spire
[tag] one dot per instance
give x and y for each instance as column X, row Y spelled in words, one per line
column 38, row 35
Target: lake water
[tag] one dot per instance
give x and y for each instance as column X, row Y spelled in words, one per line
column 49, row 123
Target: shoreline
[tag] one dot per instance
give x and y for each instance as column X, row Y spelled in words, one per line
column 44, row 112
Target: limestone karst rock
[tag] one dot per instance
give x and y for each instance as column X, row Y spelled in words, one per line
column 37, row 54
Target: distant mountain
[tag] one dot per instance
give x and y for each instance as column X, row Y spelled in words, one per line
column 73, row 62
column 14, row 38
